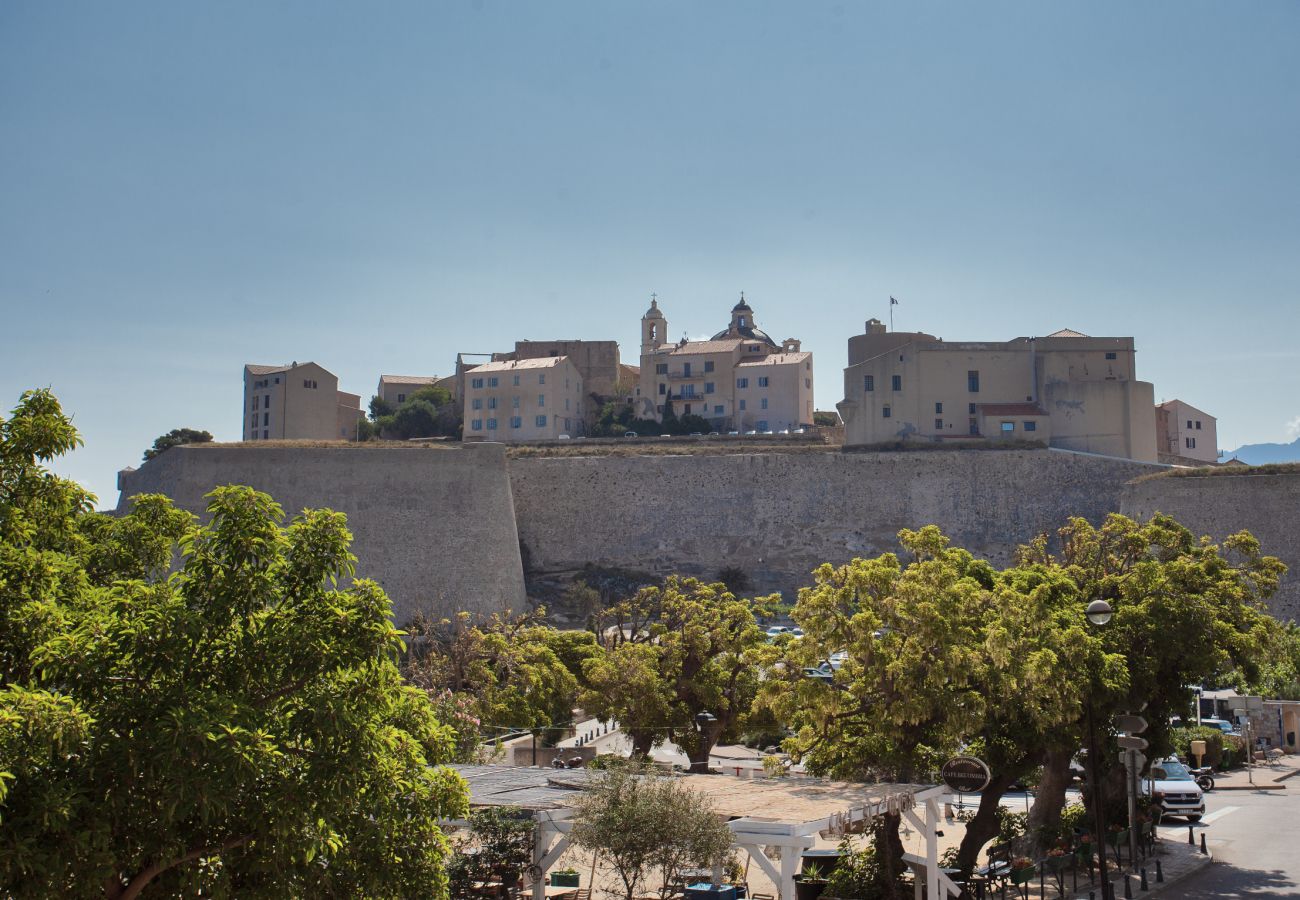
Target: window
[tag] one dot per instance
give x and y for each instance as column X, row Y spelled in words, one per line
column 740, row 321
column 686, row 370
column 663, row 389
column 896, row 382
column 971, row 409
column 309, row 384
column 541, row 399
column 742, row 405
column 688, row 390
column 492, row 402
column 708, row 387
column 493, row 382
column 1198, row 424
column 566, row 423
column 973, row 381
column 477, row 403
column 1008, row 427
column 661, row 368
column 708, row 365
column 541, row 421
column 762, row 425
column 401, row 398
column 566, row 403
column 717, row 410
column 476, row 382
column 541, row 378
column 762, row 381
column 266, row 419
column 492, row 424
column 476, row 425
column 938, row 409
column 277, row 379
column 1110, row 356
column 807, row 382
column 754, row 348
column 742, row 382
column 255, row 398
column 1030, row 426
column 516, row 421
column 974, row 426
column 516, row 381
column 514, row 402
column 763, row 403
column 253, row 424
column 1191, row 443
column 1189, row 424
column 885, row 412
column 868, row 382
column 687, row 410
column 938, row 424
column 266, row 435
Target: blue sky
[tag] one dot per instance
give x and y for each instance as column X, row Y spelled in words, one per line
column 185, row 188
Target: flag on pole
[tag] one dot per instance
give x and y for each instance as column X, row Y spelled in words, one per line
column 893, row 302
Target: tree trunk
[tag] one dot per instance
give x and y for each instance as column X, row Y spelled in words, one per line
column 984, row 827
column 890, row 847
column 1049, row 800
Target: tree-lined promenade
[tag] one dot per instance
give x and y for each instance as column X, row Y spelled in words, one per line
column 193, row 709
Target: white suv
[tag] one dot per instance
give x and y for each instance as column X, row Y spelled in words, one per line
column 1172, row 786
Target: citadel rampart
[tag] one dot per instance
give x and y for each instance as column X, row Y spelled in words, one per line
column 1268, row 506
column 434, row 526
column 441, row 528
column 778, row 515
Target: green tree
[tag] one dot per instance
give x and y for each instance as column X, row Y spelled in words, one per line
column 175, row 438
column 499, row 848
column 641, row 823
column 508, row 667
column 826, row 419
column 1186, row 611
column 379, row 407
column 675, row 653
column 237, row 728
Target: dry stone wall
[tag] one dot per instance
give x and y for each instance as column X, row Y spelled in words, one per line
column 1268, row 506
column 778, row 515
column 434, row 527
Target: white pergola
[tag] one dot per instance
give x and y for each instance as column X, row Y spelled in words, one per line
column 763, row 814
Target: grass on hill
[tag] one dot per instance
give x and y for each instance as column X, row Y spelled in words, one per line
column 1290, row 468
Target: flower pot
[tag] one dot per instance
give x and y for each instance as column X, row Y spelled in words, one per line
column 565, row 879
column 1022, row 876
column 808, row 890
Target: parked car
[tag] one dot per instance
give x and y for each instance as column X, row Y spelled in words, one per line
column 562, row 437
column 1174, row 787
column 1225, row 727
column 630, row 434
column 774, row 631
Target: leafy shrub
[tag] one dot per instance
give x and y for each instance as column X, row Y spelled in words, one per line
column 1182, row 740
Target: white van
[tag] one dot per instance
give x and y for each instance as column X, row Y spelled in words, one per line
column 1172, row 785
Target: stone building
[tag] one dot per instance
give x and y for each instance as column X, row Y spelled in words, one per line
column 739, row 379
column 397, row 389
column 1066, row 390
column 297, row 402
column 524, row 400
column 1185, row 435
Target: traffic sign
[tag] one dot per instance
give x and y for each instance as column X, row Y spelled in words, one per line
column 1137, row 759
column 1131, row 724
column 1131, row 743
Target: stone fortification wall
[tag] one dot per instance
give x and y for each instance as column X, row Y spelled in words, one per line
column 779, row 515
column 434, row 526
column 1268, row 506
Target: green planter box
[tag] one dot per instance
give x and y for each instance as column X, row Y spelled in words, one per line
column 1021, row 876
column 565, row 879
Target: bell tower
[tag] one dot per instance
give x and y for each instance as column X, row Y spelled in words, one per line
column 654, row 327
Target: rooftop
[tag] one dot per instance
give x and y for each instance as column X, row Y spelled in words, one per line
column 409, row 379
column 513, row 365
column 1067, row 332
column 776, row 359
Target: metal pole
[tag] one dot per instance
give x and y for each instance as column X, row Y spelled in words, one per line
column 1099, row 819
column 1131, row 780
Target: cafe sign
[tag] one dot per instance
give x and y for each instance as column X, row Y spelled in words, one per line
column 965, row 774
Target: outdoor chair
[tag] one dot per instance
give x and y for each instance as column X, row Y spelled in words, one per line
column 998, row 871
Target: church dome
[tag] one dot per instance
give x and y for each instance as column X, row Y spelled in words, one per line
column 653, row 312
column 751, row 334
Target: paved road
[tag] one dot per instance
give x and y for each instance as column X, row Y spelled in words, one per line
column 1255, row 839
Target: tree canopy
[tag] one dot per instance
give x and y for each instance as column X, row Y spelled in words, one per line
column 235, row 728
column 175, row 438
column 431, row 411
column 675, row 653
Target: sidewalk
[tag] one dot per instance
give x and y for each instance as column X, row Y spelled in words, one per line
column 1177, row 862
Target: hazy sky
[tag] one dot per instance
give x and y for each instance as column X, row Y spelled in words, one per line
column 187, row 187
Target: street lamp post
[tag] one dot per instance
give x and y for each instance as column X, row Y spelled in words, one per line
column 702, row 722
column 1099, row 613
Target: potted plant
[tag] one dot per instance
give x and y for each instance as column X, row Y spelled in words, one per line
column 1022, row 870
column 565, row 877
column 1056, row 859
column 1083, row 848
column 810, row 883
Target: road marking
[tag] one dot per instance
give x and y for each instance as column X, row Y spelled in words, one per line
column 1219, row 814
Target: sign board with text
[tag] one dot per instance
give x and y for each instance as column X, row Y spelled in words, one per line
column 965, row 774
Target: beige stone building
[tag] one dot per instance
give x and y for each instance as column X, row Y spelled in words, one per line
column 1185, row 435
column 397, row 389
column 1066, row 390
column 740, row 379
column 524, row 400
column 298, row 402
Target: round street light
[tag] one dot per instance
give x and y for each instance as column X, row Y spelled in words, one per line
column 1099, row 612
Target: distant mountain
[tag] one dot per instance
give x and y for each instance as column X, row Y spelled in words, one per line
column 1261, row 454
